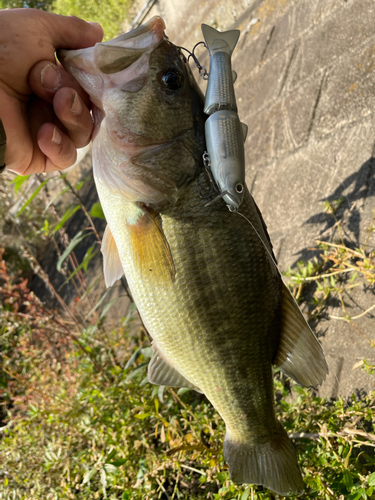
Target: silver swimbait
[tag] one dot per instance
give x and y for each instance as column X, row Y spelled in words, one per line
column 225, row 134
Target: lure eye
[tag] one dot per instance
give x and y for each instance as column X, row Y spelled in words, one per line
column 172, row 79
column 239, row 188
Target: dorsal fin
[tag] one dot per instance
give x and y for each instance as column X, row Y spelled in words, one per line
column 161, row 372
column 111, row 261
column 151, row 251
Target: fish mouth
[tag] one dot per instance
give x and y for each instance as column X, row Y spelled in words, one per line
column 89, row 65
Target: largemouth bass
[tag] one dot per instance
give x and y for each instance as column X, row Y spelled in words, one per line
column 204, row 280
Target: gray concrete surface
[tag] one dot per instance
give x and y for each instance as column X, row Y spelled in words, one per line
column 306, row 90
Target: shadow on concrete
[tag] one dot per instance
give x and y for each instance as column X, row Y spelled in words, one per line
column 345, row 210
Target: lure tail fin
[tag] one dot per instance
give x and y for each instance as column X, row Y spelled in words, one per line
column 214, row 39
column 272, row 464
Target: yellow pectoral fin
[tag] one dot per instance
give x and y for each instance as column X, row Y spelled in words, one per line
column 151, row 251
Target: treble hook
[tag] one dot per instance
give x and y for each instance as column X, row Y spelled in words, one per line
column 213, row 188
column 202, row 70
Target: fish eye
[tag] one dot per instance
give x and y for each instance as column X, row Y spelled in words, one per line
column 172, row 79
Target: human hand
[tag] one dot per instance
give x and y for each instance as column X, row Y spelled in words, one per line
column 44, row 110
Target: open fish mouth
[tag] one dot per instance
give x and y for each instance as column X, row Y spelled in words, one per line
column 97, row 68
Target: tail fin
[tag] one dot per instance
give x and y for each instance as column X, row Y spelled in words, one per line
column 211, row 35
column 272, row 464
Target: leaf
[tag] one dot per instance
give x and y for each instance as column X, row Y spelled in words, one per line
column 18, row 181
column 371, row 479
column 246, row 493
column 89, row 475
column 107, row 307
column 91, row 286
column 98, row 304
column 144, row 382
column 97, row 211
column 156, row 402
column 355, row 495
column 103, row 480
column 142, row 416
column 74, row 242
column 162, row 434
column 110, row 468
column 147, row 352
column 358, row 364
column 32, row 196
column 354, row 276
column 89, row 255
column 136, row 371
column 65, row 190
column 347, row 480
column 133, row 358
column 182, row 390
column 119, row 462
column 71, row 211
column 111, row 455
column 161, row 393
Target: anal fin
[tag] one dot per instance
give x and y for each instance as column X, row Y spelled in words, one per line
column 300, row 355
column 111, row 261
column 161, row 372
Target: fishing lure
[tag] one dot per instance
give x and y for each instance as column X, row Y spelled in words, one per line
column 225, row 134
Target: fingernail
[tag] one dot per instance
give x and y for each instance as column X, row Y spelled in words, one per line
column 50, row 77
column 56, row 136
column 76, row 106
column 95, row 24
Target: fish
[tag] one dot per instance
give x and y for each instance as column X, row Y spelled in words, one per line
column 205, row 281
column 225, row 134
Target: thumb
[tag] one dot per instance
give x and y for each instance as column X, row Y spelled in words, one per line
column 70, row 32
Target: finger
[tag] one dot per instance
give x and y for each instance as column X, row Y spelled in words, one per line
column 46, row 78
column 74, row 115
column 57, row 147
column 70, row 32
